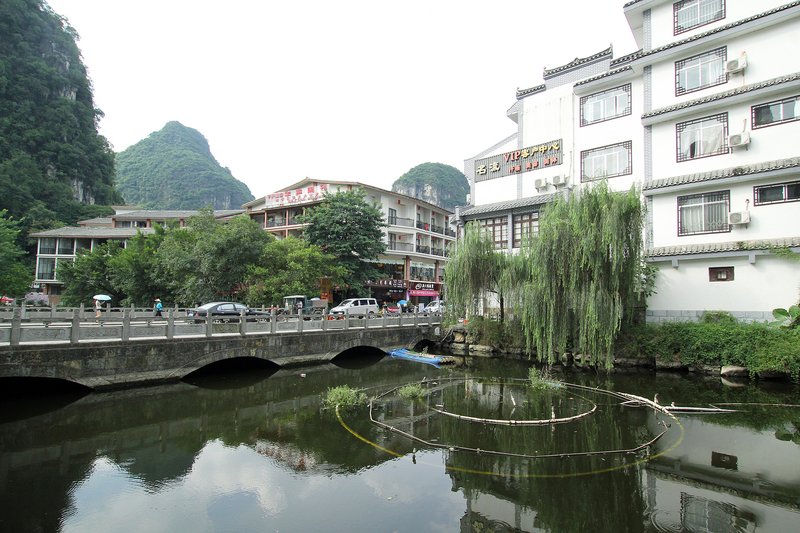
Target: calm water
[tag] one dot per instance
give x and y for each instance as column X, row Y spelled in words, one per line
column 259, row 453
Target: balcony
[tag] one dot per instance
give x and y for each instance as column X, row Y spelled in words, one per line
column 399, row 221
column 423, row 225
column 438, row 251
column 272, row 223
column 422, row 249
column 400, row 247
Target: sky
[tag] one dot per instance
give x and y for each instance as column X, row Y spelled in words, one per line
column 358, row 90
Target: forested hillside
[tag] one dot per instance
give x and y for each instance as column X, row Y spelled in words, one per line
column 53, row 164
column 173, row 169
column 436, row 183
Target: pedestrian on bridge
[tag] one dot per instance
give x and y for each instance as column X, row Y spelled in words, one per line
column 97, row 308
column 157, row 307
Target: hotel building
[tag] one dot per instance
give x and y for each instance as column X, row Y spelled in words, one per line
column 703, row 118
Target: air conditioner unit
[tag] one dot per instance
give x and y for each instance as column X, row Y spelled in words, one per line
column 739, row 217
column 740, row 139
column 736, row 65
column 540, row 183
column 560, row 180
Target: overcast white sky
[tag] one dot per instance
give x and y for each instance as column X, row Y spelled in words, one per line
column 358, row 90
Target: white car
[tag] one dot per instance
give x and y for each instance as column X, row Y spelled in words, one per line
column 436, row 306
column 357, row 307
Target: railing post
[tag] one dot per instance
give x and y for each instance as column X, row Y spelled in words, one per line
column 126, row 324
column 346, row 319
column 299, row 321
column 325, row 319
column 273, row 318
column 416, row 317
column 16, row 326
column 209, row 326
column 81, row 310
column 171, row 324
column 75, row 330
column 242, row 323
column 23, row 309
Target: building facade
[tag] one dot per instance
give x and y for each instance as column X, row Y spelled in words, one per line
column 703, row 118
column 417, row 235
column 56, row 246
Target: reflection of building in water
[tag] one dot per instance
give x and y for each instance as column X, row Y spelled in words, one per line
column 487, row 512
column 722, row 478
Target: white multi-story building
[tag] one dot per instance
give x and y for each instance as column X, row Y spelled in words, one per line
column 704, row 118
column 417, row 234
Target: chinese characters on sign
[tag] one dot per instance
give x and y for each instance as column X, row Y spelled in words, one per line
column 523, row 160
column 296, row 196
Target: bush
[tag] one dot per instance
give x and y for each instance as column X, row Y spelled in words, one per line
column 502, row 335
column 412, row 391
column 344, row 396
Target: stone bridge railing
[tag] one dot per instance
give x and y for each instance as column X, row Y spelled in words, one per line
column 116, row 354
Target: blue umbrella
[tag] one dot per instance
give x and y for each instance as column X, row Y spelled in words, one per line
column 402, row 302
column 101, row 297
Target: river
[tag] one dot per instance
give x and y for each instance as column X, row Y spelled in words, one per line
column 257, row 451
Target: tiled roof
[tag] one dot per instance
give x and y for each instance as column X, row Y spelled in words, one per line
column 522, row 93
column 605, row 75
column 727, row 94
column 578, row 61
column 171, row 214
column 510, row 205
column 626, row 58
column 99, row 221
column 742, row 170
column 733, row 246
column 631, row 3
column 720, row 29
column 92, row 232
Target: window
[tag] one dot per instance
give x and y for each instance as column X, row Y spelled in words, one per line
column 777, row 194
column 703, row 137
column 606, row 105
column 703, row 213
column 690, row 14
column 66, row 246
column 525, row 226
column 46, row 268
column 47, row 245
column 606, row 162
column 787, row 110
column 720, row 274
column 497, row 229
column 698, row 72
column 392, row 216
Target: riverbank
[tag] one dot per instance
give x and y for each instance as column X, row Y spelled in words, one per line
column 718, row 346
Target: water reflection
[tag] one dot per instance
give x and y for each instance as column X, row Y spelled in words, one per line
column 258, row 452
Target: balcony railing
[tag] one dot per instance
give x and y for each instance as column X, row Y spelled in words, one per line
column 400, row 246
column 421, row 249
column 400, row 221
column 275, row 222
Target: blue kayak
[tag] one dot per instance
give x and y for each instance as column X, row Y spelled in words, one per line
column 403, row 353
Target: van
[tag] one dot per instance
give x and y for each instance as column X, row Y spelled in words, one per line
column 359, row 307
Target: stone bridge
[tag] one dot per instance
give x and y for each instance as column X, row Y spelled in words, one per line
column 117, row 364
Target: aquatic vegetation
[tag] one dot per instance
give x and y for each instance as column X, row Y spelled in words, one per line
column 411, row 391
column 344, row 397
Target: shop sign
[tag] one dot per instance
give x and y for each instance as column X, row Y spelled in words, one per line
column 393, row 283
column 421, row 285
column 535, row 157
column 312, row 193
column 416, row 292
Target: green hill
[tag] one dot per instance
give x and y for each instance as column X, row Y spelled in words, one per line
column 173, row 169
column 436, row 183
column 55, row 168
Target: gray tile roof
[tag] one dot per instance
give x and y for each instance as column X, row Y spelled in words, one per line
column 626, row 68
column 163, row 214
column 99, row 221
column 510, row 205
column 578, row 61
column 726, row 94
column 733, row 246
column 742, row 170
column 522, row 93
column 92, row 232
column 719, row 29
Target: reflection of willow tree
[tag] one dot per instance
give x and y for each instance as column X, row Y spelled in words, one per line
column 565, row 501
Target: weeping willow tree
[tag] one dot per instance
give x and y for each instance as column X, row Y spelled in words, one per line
column 583, row 271
column 473, row 272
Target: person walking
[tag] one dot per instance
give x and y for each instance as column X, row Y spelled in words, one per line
column 97, row 308
column 157, row 307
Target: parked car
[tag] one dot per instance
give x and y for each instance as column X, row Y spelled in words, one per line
column 227, row 311
column 359, row 307
column 436, row 306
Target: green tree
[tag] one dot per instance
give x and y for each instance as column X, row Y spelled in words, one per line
column 208, row 260
column 584, row 269
column 134, row 272
column 90, row 274
column 290, row 266
column 15, row 277
column 349, row 228
column 473, row 273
